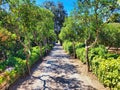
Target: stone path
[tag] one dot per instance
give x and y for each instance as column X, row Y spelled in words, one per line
column 58, row 72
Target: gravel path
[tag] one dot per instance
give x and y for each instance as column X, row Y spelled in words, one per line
column 58, row 72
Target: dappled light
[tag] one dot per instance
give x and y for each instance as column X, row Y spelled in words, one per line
column 59, row 45
column 55, row 72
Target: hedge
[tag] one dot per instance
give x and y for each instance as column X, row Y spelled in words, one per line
column 67, row 45
column 105, row 66
column 16, row 66
column 107, row 71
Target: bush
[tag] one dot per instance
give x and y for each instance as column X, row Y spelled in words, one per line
column 35, row 49
column 79, row 45
column 105, row 66
column 19, row 65
column 33, row 58
column 2, row 66
column 20, row 53
column 107, row 70
column 67, row 45
column 109, row 55
column 100, row 51
column 80, row 52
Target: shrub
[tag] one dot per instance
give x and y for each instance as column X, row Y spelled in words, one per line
column 35, row 49
column 80, row 52
column 20, row 65
column 100, row 51
column 67, row 45
column 107, row 70
column 20, row 53
column 109, row 55
column 33, row 58
column 2, row 66
column 79, row 45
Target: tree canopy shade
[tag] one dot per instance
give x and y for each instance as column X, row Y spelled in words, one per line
column 28, row 24
column 94, row 15
column 88, row 20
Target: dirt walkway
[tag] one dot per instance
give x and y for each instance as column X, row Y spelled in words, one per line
column 59, row 72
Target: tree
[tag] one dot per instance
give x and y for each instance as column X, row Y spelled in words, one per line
column 93, row 15
column 70, row 31
column 59, row 14
column 30, row 23
column 7, row 41
column 109, row 36
column 115, row 18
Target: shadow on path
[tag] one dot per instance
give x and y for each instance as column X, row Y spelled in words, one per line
column 55, row 73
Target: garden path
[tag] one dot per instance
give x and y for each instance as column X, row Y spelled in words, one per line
column 58, row 72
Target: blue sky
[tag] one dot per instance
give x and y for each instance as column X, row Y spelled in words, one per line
column 68, row 4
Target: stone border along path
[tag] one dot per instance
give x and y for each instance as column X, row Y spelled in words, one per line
column 59, row 72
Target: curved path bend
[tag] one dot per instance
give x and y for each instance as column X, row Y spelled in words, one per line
column 58, row 72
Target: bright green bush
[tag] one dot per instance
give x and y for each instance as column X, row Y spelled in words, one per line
column 79, row 45
column 36, row 49
column 67, row 45
column 19, row 65
column 100, row 51
column 104, row 65
column 80, row 52
column 34, row 57
column 107, row 70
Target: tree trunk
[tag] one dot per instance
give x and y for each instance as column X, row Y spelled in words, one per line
column 27, row 61
column 61, row 42
column 87, row 57
column 74, row 54
column 40, row 45
column 28, row 67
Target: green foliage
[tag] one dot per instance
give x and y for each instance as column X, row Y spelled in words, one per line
column 110, row 35
column 19, row 65
column 59, row 14
column 79, row 45
column 67, row 45
column 104, row 65
column 99, row 51
column 2, row 66
column 112, row 55
column 80, row 52
column 18, row 68
column 36, row 50
column 107, row 70
column 33, row 58
column 70, row 31
column 24, row 24
column 20, row 54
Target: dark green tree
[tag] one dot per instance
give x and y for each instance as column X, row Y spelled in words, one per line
column 59, row 14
